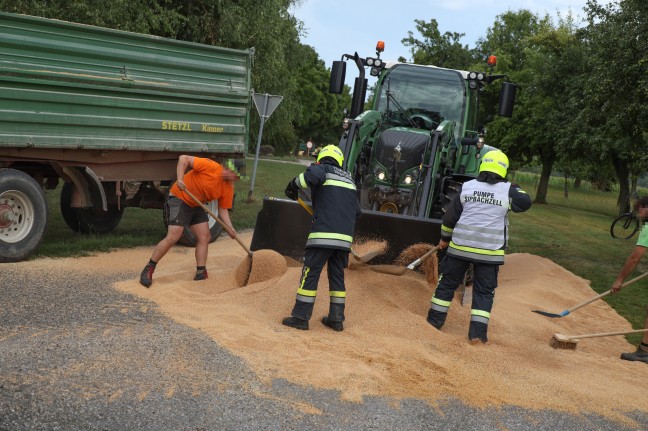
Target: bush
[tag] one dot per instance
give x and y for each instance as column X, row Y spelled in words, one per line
column 266, row 150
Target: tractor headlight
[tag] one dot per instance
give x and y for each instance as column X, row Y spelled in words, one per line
column 381, row 175
column 408, row 179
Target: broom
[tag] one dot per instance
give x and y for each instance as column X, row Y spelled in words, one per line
column 569, row 342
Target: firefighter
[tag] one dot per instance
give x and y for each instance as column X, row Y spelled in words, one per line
column 336, row 208
column 474, row 230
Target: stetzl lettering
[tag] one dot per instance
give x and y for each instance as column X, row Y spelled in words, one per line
column 181, row 126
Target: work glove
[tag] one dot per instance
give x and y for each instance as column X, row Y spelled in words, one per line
column 292, row 190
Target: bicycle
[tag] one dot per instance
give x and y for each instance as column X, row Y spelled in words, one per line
column 627, row 224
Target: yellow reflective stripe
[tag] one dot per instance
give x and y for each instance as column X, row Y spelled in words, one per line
column 304, row 292
column 303, row 280
column 302, row 181
column 477, row 250
column 440, row 302
column 329, row 235
column 337, row 294
column 446, row 228
column 339, row 184
column 481, row 313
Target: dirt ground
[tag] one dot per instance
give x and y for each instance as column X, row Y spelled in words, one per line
column 388, row 349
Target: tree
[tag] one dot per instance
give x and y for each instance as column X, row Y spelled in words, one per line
column 159, row 17
column 616, row 93
column 320, row 116
column 534, row 55
column 443, row 50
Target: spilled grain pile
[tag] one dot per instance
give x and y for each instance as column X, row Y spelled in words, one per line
column 388, row 349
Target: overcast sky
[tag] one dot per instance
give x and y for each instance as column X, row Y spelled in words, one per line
column 336, row 27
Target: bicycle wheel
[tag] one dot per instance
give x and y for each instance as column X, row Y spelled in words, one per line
column 624, row 226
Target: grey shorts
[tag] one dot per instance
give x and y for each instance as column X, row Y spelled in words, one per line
column 181, row 214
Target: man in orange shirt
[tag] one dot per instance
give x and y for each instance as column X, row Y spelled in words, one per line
column 207, row 181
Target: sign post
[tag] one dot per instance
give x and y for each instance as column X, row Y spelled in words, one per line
column 266, row 105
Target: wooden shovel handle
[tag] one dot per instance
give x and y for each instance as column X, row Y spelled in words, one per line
column 589, row 301
column 607, row 292
column 423, row 258
column 215, row 217
column 639, row 277
column 305, row 206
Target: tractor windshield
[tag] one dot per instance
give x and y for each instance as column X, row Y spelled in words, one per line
column 430, row 93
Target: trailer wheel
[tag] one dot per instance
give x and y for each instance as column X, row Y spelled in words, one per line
column 188, row 238
column 23, row 215
column 88, row 220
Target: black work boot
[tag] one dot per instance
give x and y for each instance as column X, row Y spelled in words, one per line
column 336, row 326
column 146, row 278
column 296, row 323
column 201, row 274
column 436, row 318
column 640, row 355
column 477, row 333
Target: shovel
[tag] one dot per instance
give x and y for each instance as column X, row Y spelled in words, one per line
column 582, row 304
column 247, row 262
column 365, row 258
column 400, row 270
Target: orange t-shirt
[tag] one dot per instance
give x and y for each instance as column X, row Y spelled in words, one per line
column 205, row 181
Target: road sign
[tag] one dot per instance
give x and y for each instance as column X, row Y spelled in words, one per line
column 266, row 105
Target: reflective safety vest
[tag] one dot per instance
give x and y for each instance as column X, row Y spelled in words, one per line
column 480, row 232
column 335, row 206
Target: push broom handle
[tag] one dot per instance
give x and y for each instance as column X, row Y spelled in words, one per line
column 605, row 334
column 607, row 292
column 215, row 217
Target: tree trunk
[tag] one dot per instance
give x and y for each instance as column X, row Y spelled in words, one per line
column 566, row 185
column 623, row 174
column 547, row 157
column 543, row 185
column 577, row 182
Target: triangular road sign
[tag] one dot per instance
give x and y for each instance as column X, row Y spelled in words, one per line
column 267, row 101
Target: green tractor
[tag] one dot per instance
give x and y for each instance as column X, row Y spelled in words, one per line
column 409, row 154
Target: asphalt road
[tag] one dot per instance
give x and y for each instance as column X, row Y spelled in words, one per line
column 76, row 354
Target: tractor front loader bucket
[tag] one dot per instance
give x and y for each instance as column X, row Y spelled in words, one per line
column 283, row 226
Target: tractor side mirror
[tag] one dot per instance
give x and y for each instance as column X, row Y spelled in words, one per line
column 338, row 74
column 507, row 99
column 468, row 141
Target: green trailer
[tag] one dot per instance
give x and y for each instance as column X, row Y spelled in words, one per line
column 108, row 112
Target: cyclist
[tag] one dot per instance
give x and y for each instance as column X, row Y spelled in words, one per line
column 641, row 354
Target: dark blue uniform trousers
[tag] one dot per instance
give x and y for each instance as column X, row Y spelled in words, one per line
column 314, row 261
column 453, row 270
